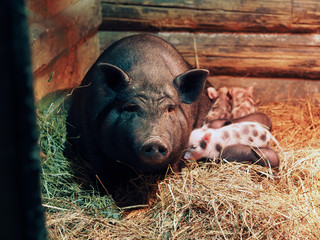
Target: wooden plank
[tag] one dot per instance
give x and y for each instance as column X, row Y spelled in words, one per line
column 53, row 36
column 254, row 55
column 262, row 6
column 267, row 55
column 208, row 16
column 306, row 12
column 48, row 9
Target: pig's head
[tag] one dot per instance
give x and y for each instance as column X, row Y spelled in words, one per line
column 147, row 123
column 198, row 146
column 239, row 94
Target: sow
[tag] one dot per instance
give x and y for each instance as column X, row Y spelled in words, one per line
column 136, row 107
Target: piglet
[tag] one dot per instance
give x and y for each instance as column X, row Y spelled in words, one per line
column 208, row 143
column 265, row 157
column 221, row 106
column 243, row 102
column 259, row 117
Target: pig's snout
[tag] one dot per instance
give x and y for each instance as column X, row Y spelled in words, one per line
column 154, row 151
column 188, row 155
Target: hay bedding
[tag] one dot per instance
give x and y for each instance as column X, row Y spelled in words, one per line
column 207, row 200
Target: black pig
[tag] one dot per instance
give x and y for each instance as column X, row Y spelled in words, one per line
column 136, row 107
column 135, row 110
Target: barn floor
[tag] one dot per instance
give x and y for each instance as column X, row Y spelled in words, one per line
column 208, row 200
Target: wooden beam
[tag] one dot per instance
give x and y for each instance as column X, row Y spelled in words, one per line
column 251, row 55
column 277, row 16
column 306, row 12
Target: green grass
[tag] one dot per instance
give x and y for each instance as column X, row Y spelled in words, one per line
column 60, row 190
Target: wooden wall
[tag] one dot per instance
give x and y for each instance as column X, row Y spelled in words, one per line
column 294, row 16
column 273, row 45
column 64, row 42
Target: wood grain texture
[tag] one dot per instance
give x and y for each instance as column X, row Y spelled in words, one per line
column 250, row 55
column 277, row 16
column 306, row 12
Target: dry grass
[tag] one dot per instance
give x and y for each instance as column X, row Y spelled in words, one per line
column 222, row 201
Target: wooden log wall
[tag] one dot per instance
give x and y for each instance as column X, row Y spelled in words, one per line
column 294, row 16
column 64, row 42
column 255, row 40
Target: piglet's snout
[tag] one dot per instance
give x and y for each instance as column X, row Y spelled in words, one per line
column 154, row 151
column 188, row 155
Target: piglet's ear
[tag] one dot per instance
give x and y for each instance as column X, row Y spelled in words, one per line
column 115, row 77
column 250, row 90
column 212, row 93
column 231, row 92
column 207, row 137
column 190, row 84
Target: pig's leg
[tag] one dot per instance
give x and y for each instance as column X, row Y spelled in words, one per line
column 268, row 154
column 242, row 153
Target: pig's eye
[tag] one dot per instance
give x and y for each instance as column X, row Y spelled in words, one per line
column 171, row 108
column 130, row 108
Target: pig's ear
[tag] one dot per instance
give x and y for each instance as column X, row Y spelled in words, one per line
column 250, row 90
column 231, row 92
column 207, row 137
column 190, row 84
column 115, row 77
column 212, row 93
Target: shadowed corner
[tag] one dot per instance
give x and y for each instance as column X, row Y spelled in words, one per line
column 22, row 214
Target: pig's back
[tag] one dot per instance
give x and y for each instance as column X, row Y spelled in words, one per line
column 145, row 53
column 252, row 134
